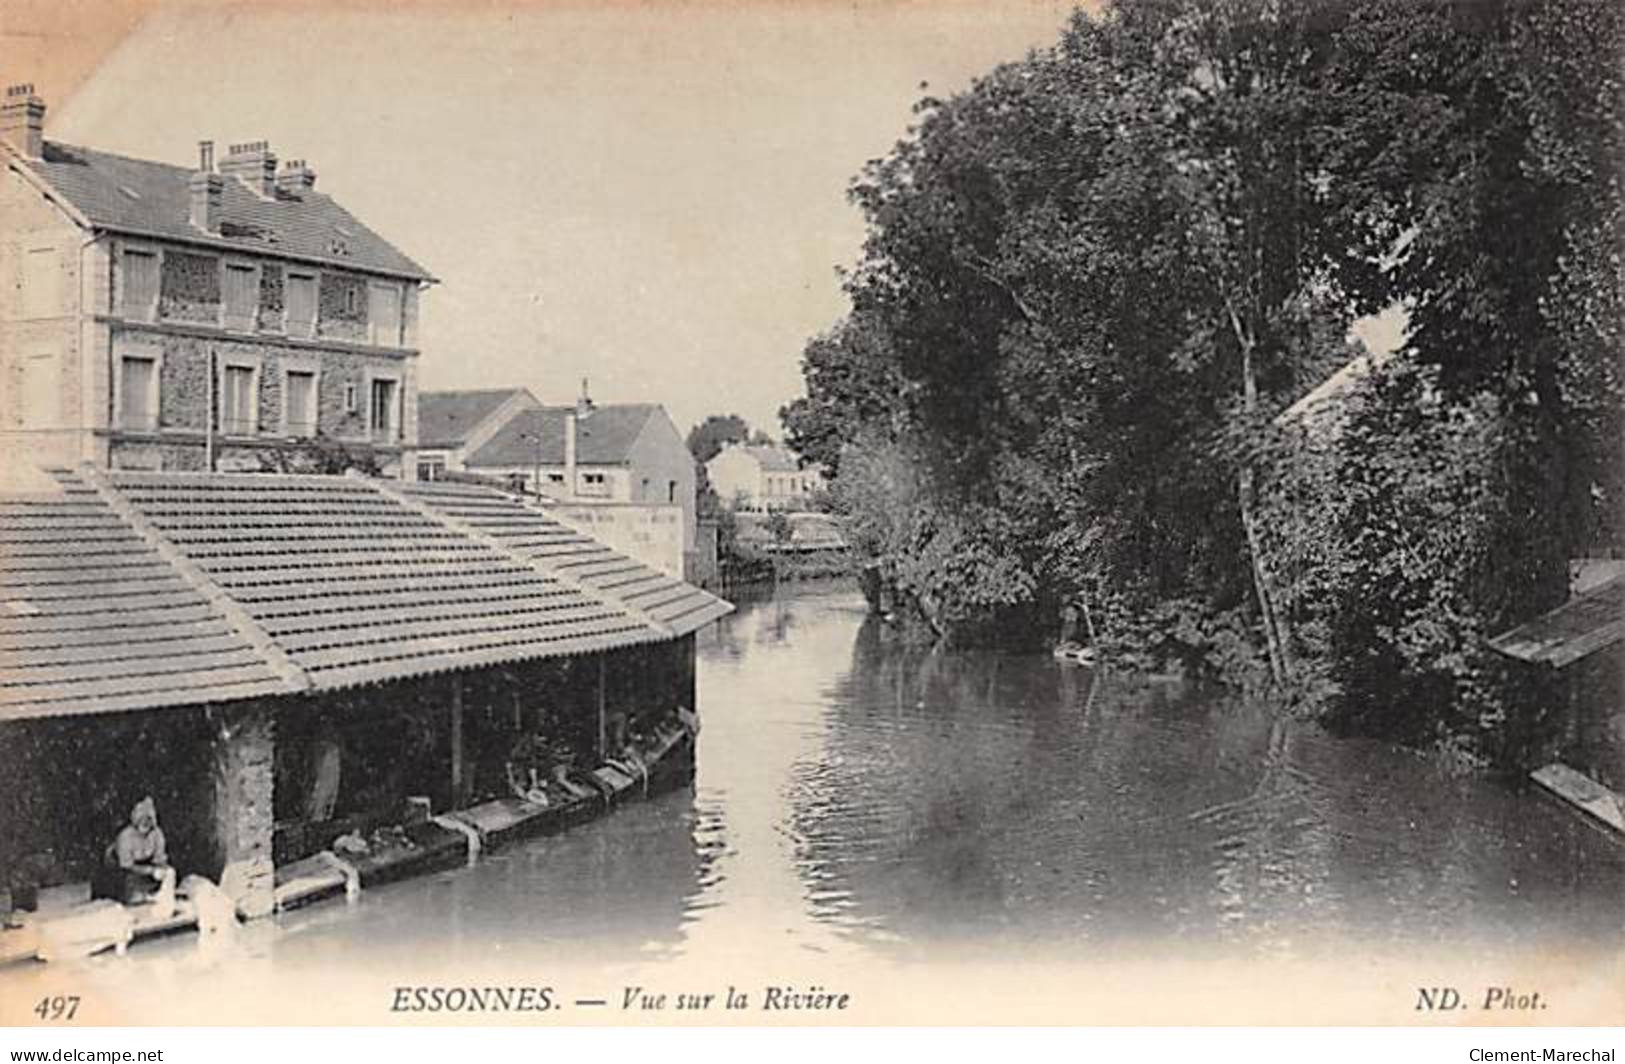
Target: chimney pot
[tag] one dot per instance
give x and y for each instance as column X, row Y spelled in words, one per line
column 254, row 164
column 22, row 120
column 205, row 156
column 296, row 177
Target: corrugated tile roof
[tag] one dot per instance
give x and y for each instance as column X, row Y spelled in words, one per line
column 445, row 419
column 604, row 437
column 171, row 588
column 529, row 532
column 92, row 618
column 149, row 198
column 355, row 587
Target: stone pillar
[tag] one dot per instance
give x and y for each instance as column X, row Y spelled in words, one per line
column 243, row 748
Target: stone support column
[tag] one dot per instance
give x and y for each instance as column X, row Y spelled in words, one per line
column 243, row 777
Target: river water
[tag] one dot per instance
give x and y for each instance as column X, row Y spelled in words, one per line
column 854, row 793
column 863, row 801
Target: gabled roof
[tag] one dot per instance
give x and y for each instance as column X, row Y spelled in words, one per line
column 92, row 618
column 1591, row 621
column 145, row 198
column 141, row 590
column 604, row 437
column 446, row 419
column 771, row 458
column 1329, row 396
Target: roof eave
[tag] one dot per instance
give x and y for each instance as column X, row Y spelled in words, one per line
column 221, row 243
column 18, row 164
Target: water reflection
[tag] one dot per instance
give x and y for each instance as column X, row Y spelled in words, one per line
column 953, row 801
column 862, row 801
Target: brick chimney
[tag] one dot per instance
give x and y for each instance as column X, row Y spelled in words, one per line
column 208, row 189
column 254, row 165
column 296, row 178
column 22, row 121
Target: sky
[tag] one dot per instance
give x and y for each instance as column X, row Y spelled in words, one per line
column 648, row 195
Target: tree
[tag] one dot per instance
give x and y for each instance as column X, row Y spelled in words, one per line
column 853, row 386
column 706, row 439
column 322, row 455
column 1092, row 282
column 778, row 527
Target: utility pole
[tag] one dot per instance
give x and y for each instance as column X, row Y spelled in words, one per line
column 208, row 416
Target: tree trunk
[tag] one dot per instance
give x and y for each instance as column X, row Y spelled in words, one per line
column 1274, row 628
column 1275, row 633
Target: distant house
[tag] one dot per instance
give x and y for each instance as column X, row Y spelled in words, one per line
column 579, row 455
column 1324, row 407
column 164, row 317
column 452, row 425
column 762, row 477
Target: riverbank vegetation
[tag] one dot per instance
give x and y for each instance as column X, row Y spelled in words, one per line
column 1099, row 285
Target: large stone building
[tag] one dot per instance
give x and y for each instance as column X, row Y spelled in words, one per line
column 158, row 317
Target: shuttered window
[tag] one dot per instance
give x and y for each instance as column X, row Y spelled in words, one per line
column 384, row 314
column 300, row 397
column 301, row 297
column 242, row 297
column 138, row 394
column 138, row 293
column 238, row 402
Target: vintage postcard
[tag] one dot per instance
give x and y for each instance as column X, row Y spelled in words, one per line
column 843, row 513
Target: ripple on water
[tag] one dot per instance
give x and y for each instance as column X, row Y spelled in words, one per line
column 858, row 795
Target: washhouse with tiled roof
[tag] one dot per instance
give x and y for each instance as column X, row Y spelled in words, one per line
column 281, row 660
column 195, row 317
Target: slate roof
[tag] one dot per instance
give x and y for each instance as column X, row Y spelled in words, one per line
column 160, row 589
column 1591, row 621
column 604, row 437
column 445, row 419
column 146, row 198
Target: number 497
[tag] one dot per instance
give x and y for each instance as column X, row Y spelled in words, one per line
column 61, row 1007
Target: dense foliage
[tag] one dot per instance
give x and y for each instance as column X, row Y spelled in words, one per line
column 707, row 438
column 1095, row 284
